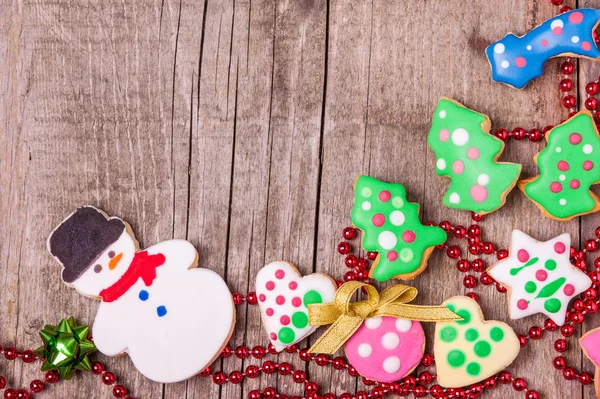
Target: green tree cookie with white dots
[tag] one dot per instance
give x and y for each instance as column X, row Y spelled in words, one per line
column 391, row 227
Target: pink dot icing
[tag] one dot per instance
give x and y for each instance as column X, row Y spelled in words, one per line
column 273, row 337
column 473, row 153
column 574, row 184
column 280, row 300
column 523, row 255
column 296, row 302
column 458, row 167
column 385, row 196
column 541, row 275
column 569, row 289
column 478, row 193
column 576, row 17
column 555, row 187
column 557, row 30
column 378, row 220
column 544, row 42
column 392, row 256
column 588, row 165
column 285, row 320
column 444, row 135
column 409, row 351
column 270, row 285
column 587, row 46
column 269, row 312
column 522, row 304
column 280, row 274
column 293, row 285
column 560, row 247
column 262, row 297
column 409, row 236
column 563, row 165
column 575, row 138
column 520, row 62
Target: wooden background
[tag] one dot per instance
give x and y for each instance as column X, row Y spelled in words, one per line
column 241, row 126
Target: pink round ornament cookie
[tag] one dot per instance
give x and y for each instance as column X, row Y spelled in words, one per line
column 386, row 348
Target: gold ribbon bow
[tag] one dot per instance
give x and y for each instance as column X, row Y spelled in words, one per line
column 346, row 317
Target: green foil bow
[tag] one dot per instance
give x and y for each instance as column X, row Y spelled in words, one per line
column 66, row 348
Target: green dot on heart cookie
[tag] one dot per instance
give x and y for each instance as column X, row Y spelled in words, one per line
column 456, row 358
column 286, row 335
column 496, row 334
column 312, row 297
column 482, row 348
column 300, row 319
column 448, row 334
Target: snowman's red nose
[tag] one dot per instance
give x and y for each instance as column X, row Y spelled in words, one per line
column 114, row 261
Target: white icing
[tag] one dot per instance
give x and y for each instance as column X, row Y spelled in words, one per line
column 391, row 365
column 460, row 137
column 390, row 341
column 397, row 218
column 454, row 198
column 556, row 24
column 562, row 201
column 529, row 47
column 587, row 149
column 366, row 206
column 317, row 282
column 387, row 239
column 132, row 325
column 373, row 323
column 575, row 39
column 558, row 149
column 442, row 114
column 441, row 164
column 499, row 48
column 483, row 179
column 543, row 251
column 403, row 325
column 505, row 64
column 562, row 177
column 364, row 350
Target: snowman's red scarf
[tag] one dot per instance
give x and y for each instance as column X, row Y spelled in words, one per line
column 142, row 266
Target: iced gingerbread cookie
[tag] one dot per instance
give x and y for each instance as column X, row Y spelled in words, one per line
column 590, row 343
column 518, row 60
column 568, row 167
column 539, row 277
column 391, row 227
column 385, row 348
column 467, row 154
column 283, row 298
column 471, row 350
column 153, row 301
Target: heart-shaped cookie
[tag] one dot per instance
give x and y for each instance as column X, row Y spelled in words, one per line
column 472, row 349
column 283, row 298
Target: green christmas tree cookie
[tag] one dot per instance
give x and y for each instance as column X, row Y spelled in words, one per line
column 391, row 227
column 568, row 167
column 467, row 154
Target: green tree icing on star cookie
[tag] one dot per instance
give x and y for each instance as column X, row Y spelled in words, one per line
column 391, row 227
column 467, row 153
column 568, row 167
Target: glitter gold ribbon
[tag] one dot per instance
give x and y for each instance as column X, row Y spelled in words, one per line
column 346, row 317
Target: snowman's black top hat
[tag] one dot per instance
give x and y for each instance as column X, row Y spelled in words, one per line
column 81, row 238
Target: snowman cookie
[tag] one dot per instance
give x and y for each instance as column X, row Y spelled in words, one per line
column 540, row 277
column 153, row 301
column 471, row 350
column 385, row 348
column 283, row 299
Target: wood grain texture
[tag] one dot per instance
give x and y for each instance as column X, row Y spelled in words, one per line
column 241, row 125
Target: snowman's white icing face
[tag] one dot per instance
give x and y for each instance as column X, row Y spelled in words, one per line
column 108, row 268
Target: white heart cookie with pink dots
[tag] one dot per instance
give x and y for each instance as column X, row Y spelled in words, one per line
column 283, row 299
column 385, row 348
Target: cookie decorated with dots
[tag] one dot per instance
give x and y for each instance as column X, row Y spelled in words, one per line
column 385, row 348
column 470, row 350
column 515, row 61
column 283, row 299
column 568, row 167
column 590, row 344
column 391, row 227
column 539, row 277
column 467, row 154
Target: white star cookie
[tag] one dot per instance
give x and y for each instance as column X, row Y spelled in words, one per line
column 540, row 277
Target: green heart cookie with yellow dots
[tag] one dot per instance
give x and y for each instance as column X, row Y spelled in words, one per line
column 472, row 349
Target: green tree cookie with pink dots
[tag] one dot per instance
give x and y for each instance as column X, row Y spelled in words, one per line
column 391, row 227
column 568, row 167
column 467, row 153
